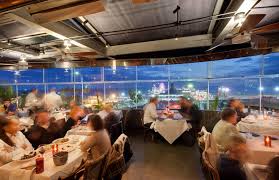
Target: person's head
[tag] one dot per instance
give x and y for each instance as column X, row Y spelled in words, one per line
column 53, row 90
column 273, row 169
column 184, row 102
column 72, row 104
column 77, row 113
column 7, row 102
column 95, row 122
column 10, row 126
column 229, row 115
column 108, row 107
column 35, row 91
column 154, row 100
column 237, row 148
column 42, row 118
column 234, row 103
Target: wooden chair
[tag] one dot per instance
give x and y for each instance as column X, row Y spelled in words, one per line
column 210, row 172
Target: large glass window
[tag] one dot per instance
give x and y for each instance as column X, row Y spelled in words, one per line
column 7, row 77
column 271, row 64
column 159, row 72
column 188, row 71
column 93, row 94
column 58, row 75
column 270, row 93
column 88, row 74
column 196, row 91
column 220, row 90
column 30, row 76
column 238, row 67
column 152, row 89
column 120, row 73
column 122, row 95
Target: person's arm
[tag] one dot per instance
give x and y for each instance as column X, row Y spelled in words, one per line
column 153, row 112
column 88, row 143
column 29, row 146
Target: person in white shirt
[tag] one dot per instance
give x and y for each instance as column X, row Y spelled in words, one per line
column 53, row 100
column 12, row 141
column 225, row 128
column 150, row 112
column 31, row 100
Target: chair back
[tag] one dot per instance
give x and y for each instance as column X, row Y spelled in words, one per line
column 211, row 173
column 115, row 131
column 133, row 119
column 210, row 156
column 95, row 169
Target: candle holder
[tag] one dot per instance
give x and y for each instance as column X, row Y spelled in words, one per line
column 54, row 148
column 267, row 141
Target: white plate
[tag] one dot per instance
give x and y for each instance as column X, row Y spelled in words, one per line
column 18, row 157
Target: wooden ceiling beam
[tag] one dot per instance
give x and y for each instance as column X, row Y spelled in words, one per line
column 68, row 11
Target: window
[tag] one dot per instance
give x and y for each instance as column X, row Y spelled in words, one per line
column 122, row 95
column 271, row 64
column 196, row 91
column 120, row 73
column 93, row 94
column 30, row 76
column 7, row 77
column 270, row 93
column 159, row 72
column 152, row 89
column 238, row 67
column 88, row 74
column 188, row 71
column 247, row 90
column 58, row 75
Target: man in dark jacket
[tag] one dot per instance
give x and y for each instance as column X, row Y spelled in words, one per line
column 191, row 111
column 44, row 131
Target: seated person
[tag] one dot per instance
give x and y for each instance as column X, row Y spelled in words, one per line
column 273, row 167
column 225, row 128
column 44, row 131
column 190, row 110
column 110, row 117
column 12, row 141
column 150, row 113
column 98, row 142
column 10, row 108
column 76, row 115
column 72, row 104
column 238, row 107
column 231, row 163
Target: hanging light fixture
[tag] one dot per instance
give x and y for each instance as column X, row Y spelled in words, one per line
column 125, row 65
column 67, row 44
column 113, row 66
column 23, row 58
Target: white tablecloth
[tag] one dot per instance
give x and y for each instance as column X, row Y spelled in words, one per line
column 260, row 126
column 80, row 130
column 171, row 129
column 261, row 154
column 255, row 171
column 51, row 171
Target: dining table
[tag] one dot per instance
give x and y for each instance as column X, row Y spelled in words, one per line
column 171, row 128
column 264, row 125
column 260, row 155
column 26, row 170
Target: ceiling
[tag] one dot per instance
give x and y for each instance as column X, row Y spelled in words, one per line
column 124, row 29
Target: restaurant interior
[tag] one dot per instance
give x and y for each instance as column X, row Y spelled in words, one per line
column 139, row 89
